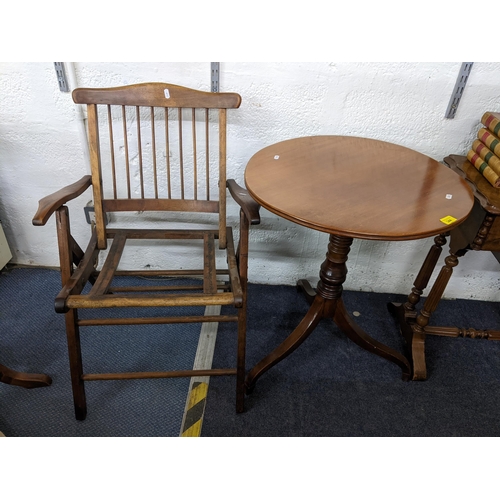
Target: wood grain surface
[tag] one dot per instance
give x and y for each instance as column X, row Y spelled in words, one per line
column 358, row 187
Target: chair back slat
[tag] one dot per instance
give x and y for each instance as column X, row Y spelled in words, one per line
column 125, row 142
column 167, row 155
column 112, row 151
column 139, row 150
column 154, row 159
column 207, row 156
column 181, row 153
column 195, row 164
column 153, row 146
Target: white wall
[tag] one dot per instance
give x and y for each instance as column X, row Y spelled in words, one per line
column 405, row 103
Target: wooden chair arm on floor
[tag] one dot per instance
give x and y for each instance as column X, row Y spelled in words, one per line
column 22, row 379
column 48, row 205
column 249, row 206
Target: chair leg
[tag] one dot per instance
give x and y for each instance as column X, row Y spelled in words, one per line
column 242, row 259
column 75, row 364
column 240, row 369
column 66, row 256
column 422, row 279
column 423, row 317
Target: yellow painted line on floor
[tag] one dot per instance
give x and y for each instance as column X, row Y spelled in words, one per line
column 198, row 393
column 195, row 411
column 193, row 431
column 198, row 388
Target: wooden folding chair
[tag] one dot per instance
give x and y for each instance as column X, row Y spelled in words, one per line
column 162, row 148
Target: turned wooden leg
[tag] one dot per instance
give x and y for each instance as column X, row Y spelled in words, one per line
column 406, row 313
column 430, row 304
column 421, row 281
column 333, row 272
column 332, row 276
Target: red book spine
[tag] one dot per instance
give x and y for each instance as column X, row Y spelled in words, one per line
column 492, row 160
column 492, row 122
column 483, row 168
column 490, row 140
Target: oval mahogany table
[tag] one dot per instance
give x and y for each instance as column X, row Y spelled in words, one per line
column 352, row 187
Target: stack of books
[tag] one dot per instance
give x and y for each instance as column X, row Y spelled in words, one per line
column 485, row 151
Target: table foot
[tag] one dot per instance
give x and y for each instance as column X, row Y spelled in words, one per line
column 21, row 379
column 415, row 342
column 361, row 338
column 303, row 330
column 305, row 287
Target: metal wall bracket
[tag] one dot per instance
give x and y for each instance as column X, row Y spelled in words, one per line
column 214, row 85
column 89, row 212
column 459, row 89
column 61, row 77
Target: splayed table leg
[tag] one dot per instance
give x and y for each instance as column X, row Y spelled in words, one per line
column 327, row 302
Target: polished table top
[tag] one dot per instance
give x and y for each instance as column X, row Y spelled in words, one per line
column 357, row 187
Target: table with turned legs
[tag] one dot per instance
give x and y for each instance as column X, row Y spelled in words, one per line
column 480, row 232
column 351, row 187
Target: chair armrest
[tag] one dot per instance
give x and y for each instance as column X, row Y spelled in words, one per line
column 48, row 205
column 249, row 206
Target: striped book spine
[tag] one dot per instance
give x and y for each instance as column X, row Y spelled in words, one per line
column 483, row 168
column 492, row 122
column 491, row 140
column 492, row 160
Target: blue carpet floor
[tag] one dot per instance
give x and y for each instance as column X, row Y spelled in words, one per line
column 33, row 339
column 328, row 387
column 331, row 387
